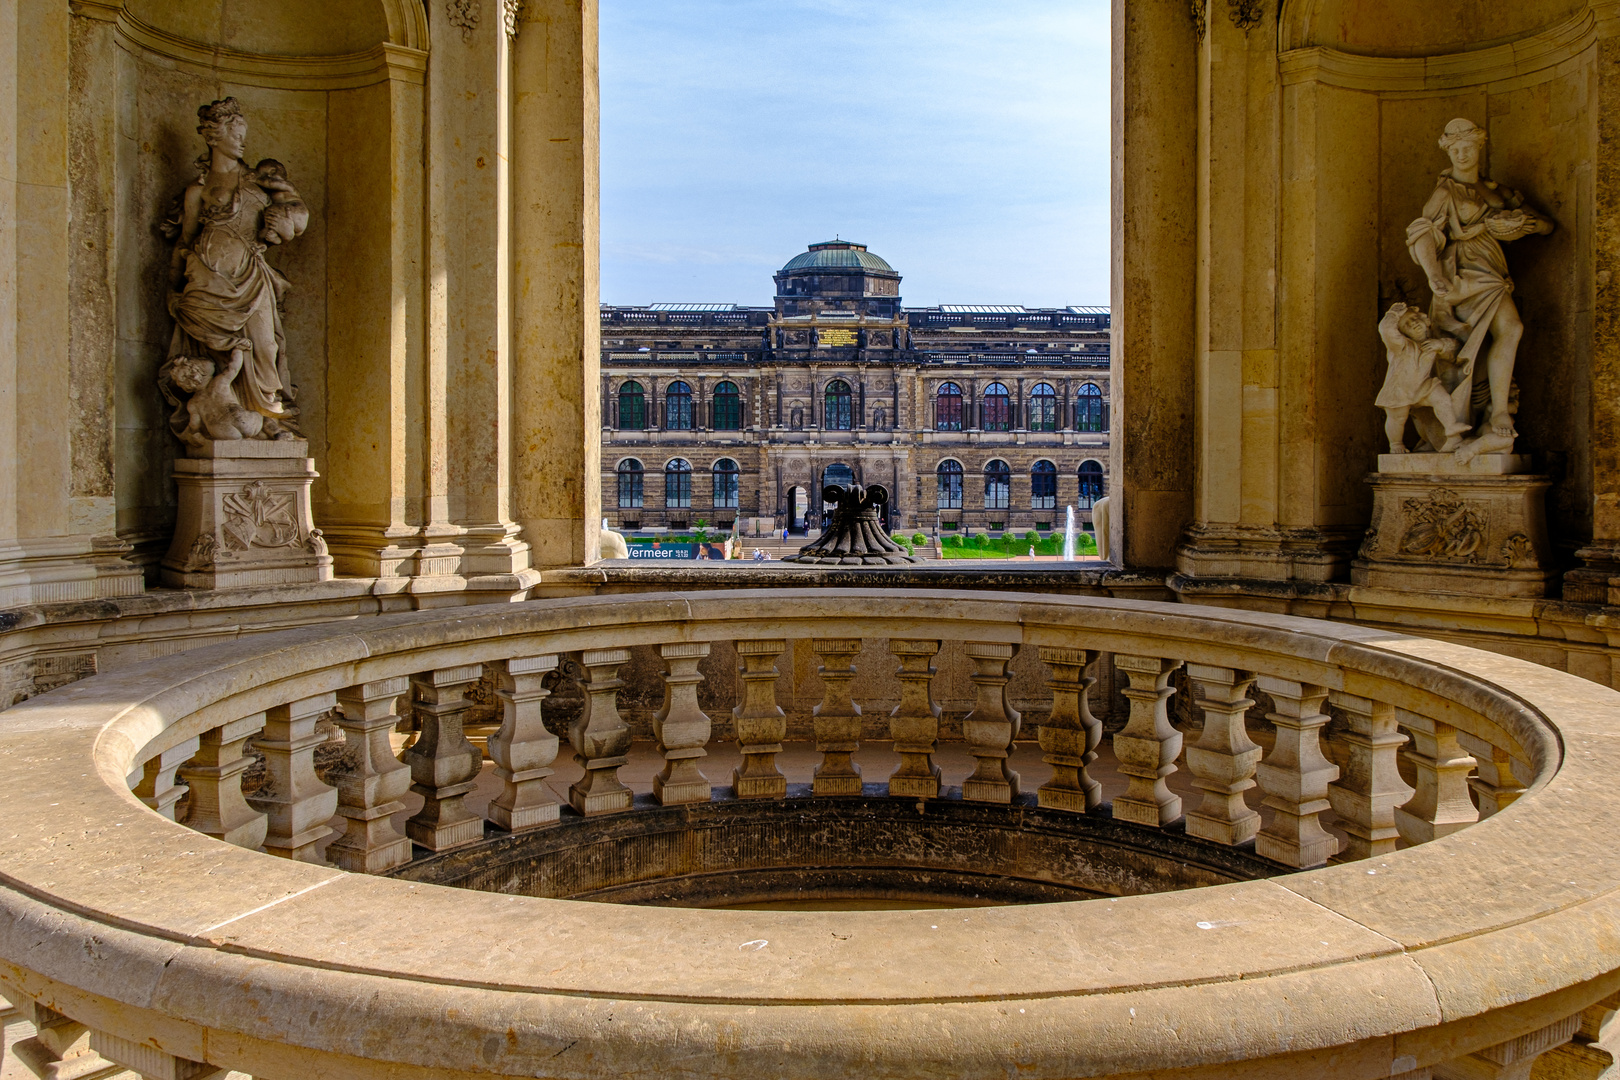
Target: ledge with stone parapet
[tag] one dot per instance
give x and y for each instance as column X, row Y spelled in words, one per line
column 231, row 958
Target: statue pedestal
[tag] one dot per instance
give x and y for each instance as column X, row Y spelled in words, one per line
column 1439, row 526
column 244, row 518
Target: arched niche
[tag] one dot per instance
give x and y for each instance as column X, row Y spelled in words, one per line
column 1398, row 28
column 288, row 27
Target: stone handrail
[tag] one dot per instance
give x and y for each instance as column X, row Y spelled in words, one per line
column 182, row 956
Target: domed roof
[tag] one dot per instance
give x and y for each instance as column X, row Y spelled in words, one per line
column 838, row 255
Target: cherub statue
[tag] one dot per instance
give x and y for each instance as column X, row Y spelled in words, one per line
column 212, row 411
column 1414, row 382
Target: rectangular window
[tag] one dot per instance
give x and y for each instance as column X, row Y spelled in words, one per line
column 727, row 412
column 678, row 490
column 725, row 490
column 996, row 492
column 630, row 491
column 950, row 491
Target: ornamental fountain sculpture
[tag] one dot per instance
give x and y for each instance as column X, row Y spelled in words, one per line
column 1458, row 512
column 855, row 535
column 244, row 514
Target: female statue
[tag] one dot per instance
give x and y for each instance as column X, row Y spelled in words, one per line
column 228, row 353
column 1458, row 242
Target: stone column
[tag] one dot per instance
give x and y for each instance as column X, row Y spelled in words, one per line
column 682, row 727
column 1295, row 777
column 157, row 788
column 914, row 723
column 1148, row 747
column 149, row 1062
column 1366, row 795
column 61, row 1048
column 1511, row 1060
column 1441, row 805
column 297, row 804
column 1494, row 784
column 523, row 749
column 761, row 724
column 991, row 727
column 1070, row 734
column 837, row 718
column 600, row 736
column 1223, row 759
column 371, row 782
column 1155, row 214
column 555, row 321
column 443, row 764
column 217, row 807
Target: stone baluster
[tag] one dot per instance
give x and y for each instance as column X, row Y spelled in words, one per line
column 150, row 1063
column 1494, row 784
column 444, row 765
column 1440, row 805
column 682, row 727
column 523, row 749
column 1511, row 1060
column 914, row 723
column 218, row 808
column 1295, row 777
column 371, row 782
column 156, row 787
column 1148, row 746
column 60, row 1048
column 1592, row 1053
column 1223, row 759
column 761, row 724
column 1070, row 735
column 991, row 727
column 600, row 736
column 295, row 800
column 1366, row 794
column 837, row 719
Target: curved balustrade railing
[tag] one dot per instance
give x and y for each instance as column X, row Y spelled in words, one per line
column 135, row 938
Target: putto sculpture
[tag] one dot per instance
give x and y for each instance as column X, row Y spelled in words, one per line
column 855, row 535
column 1458, row 243
column 226, row 374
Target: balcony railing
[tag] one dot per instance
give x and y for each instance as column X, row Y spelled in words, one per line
column 1428, row 939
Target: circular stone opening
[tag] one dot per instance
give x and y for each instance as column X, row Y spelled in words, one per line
column 851, row 853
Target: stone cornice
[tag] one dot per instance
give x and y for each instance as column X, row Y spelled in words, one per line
column 1535, row 57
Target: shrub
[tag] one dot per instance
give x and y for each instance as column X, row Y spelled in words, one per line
column 952, row 541
column 1032, row 536
column 919, row 538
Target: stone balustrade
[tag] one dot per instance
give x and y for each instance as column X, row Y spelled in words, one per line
column 175, row 954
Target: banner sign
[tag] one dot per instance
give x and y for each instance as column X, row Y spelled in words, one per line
column 677, row 551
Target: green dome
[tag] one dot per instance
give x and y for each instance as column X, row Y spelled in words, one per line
column 838, row 255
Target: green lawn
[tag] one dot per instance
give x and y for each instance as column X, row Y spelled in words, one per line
column 982, row 547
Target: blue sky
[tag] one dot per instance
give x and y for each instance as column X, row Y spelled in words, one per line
column 965, row 142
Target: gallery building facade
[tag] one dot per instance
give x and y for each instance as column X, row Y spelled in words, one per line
column 977, row 417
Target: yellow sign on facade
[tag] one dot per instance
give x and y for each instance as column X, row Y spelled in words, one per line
column 829, row 337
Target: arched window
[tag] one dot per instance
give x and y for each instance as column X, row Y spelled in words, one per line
column 1043, row 486
column 632, row 408
column 678, row 485
column 839, row 414
column 1088, row 409
column 950, row 485
column 678, row 407
column 630, row 484
column 997, row 485
column 1043, row 411
column 997, row 414
column 948, row 408
column 727, row 407
column 1091, row 484
column 725, row 484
